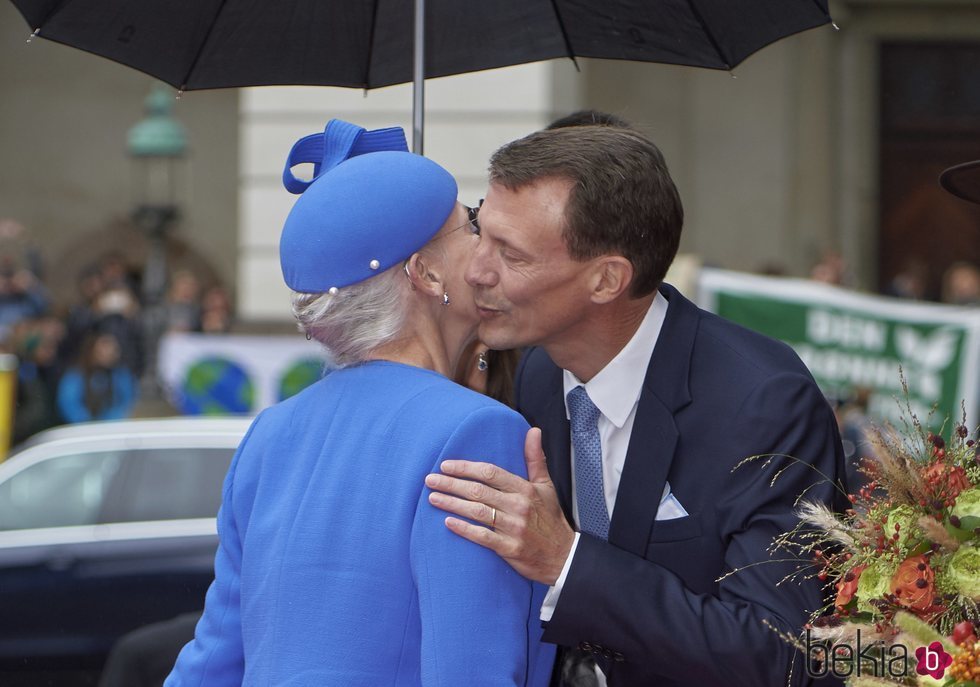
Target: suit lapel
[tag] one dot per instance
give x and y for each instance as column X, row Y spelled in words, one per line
column 653, row 441
column 648, row 460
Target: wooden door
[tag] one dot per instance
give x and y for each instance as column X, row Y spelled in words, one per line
column 930, row 120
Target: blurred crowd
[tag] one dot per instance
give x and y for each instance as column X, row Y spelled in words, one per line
column 959, row 283
column 83, row 359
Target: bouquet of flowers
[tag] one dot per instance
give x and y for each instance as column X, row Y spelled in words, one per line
column 905, row 563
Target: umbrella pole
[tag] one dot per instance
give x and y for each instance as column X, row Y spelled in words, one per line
column 418, row 82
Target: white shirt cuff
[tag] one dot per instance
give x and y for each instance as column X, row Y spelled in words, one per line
column 551, row 598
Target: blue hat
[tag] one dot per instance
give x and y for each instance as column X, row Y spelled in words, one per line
column 370, row 205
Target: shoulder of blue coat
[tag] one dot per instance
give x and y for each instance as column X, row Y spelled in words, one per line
column 460, row 404
column 488, row 432
column 398, row 384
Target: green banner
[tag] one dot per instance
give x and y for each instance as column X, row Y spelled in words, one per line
column 851, row 341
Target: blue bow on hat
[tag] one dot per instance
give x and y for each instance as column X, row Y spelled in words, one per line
column 339, row 141
column 369, row 206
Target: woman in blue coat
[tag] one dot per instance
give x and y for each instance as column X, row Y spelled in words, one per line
column 99, row 386
column 333, row 569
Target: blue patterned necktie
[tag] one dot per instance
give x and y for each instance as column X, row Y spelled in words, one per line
column 589, row 493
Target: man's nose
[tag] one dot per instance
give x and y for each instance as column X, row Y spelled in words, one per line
column 479, row 272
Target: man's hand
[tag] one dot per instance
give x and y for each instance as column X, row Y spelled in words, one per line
column 529, row 530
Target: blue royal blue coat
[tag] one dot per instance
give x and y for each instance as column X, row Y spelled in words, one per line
column 333, row 568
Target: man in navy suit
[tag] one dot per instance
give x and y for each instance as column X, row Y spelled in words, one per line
column 655, row 546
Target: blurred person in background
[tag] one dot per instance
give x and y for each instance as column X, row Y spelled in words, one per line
column 35, row 343
column 99, row 386
column 106, row 302
column 856, row 434
column 117, row 311
column 910, row 282
column 831, row 269
column 16, row 246
column 961, row 284
column 332, row 568
column 82, row 316
column 216, row 315
column 772, row 268
column 184, row 302
column 116, row 273
column 22, row 296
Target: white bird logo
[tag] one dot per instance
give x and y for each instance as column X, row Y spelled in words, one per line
column 931, row 352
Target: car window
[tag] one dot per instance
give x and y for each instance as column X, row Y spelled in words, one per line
column 58, row 492
column 171, row 483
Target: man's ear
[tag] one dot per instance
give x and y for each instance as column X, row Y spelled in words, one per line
column 422, row 276
column 611, row 277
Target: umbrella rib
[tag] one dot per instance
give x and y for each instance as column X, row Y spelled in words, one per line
column 207, row 36
column 564, row 34
column 711, row 36
column 370, row 54
column 60, row 6
column 820, row 7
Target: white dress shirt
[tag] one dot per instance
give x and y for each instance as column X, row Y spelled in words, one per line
column 615, row 390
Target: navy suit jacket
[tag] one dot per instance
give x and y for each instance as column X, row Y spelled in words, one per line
column 648, row 603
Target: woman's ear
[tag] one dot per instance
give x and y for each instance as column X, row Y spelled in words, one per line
column 421, row 275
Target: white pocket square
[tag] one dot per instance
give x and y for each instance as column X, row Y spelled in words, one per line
column 670, row 508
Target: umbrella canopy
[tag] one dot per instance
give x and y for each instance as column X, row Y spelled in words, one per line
column 199, row 44
column 195, row 44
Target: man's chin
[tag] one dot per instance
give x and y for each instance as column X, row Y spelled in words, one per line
column 495, row 337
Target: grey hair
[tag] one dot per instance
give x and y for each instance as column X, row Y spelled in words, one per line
column 357, row 319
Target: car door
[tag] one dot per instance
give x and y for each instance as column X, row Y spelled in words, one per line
column 139, row 549
column 157, row 555
column 49, row 514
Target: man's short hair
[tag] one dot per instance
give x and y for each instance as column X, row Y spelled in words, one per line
column 589, row 118
column 622, row 200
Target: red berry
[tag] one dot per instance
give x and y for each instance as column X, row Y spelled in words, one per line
column 961, row 631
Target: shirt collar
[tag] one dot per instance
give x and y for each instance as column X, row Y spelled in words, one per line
column 615, row 389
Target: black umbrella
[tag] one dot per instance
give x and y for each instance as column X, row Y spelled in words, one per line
column 197, row 44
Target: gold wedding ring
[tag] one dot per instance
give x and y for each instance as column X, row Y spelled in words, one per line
column 493, row 518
